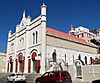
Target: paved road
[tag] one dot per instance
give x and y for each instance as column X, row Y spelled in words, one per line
column 5, row 81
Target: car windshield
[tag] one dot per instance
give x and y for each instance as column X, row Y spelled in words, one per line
column 20, row 74
column 12, row 75
column 45, row 74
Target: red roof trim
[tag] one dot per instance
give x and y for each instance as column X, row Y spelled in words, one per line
column 71, row 37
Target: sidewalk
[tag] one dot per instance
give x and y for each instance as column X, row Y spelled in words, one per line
column 77, row 81
column 30, row 81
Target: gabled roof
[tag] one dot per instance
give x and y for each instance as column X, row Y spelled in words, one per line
column 68, row 36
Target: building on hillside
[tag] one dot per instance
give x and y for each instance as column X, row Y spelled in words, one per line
column 34, row 47
column 2, row 62
column 83, row 33
column 98, row 35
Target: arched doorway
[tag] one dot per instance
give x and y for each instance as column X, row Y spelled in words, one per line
column 35, row 63
column 11, row 64
column 21, row 63
column 34, row 54
column 54, row 55
column 78, row 69
column 16, row 68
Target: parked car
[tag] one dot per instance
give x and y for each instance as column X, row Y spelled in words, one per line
column 54, row 77
column 16, row 77
column 96, row 81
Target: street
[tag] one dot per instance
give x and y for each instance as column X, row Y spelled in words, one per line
column 5, row 81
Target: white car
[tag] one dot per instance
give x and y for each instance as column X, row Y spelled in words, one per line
column 16, row 77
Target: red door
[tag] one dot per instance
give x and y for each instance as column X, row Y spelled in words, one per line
column 11, row 67
column 38, row 66
column 11, row 64
column 16, row 66
column 29, row 65
column 22, row 66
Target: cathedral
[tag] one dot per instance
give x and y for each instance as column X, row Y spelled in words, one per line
column 35, row 48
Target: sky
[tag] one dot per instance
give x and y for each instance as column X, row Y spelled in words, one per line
column 60, row 15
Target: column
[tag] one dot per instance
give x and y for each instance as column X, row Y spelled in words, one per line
column 43, row 35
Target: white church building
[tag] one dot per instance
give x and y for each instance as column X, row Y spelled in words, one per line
column 34, row 47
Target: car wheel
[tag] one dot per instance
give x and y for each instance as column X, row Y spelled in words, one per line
column 7, row 80
column 13, row 81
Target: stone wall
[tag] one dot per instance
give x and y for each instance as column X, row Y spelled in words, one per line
column 91, row 72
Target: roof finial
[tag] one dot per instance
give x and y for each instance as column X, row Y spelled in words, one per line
column 43, row 5
column 24, row 14
column 71, row 26
column 23, row 18
column 10, row 31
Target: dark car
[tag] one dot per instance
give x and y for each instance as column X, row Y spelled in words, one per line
column 96, row 81
column 54, row 77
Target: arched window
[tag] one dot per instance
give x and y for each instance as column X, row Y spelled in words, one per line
column 36, row 36
column 91, row 60
column 78, row 65
column 73, row 58
column 33, row 38
column 12, row 47
column 82, row 35
column 79, row 57
column 54, row 56
column 85, row 60
column 65, row 57
column 21, row 41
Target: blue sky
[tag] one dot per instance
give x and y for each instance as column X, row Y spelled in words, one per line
column 60, row 14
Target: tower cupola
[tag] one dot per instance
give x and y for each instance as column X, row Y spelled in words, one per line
column 72, row 30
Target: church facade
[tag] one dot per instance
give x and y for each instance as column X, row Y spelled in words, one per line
column 34, row 47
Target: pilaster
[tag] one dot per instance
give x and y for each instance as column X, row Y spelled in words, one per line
column 43, row 42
